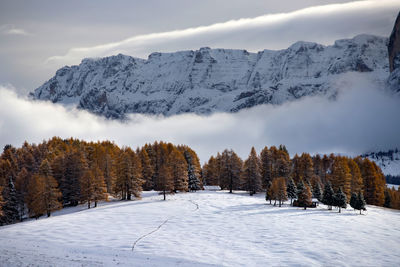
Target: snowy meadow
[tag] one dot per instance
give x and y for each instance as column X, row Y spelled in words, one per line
column 203, row 229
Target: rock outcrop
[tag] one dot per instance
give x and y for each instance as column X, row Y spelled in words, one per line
column 394, row 57
column 394, row 46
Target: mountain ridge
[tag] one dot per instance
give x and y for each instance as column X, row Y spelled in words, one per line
column 210, row 80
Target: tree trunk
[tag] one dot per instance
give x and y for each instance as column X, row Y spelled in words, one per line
column 164, row 194
column 339, row 209
column 95, row 203
column 88, row 204
column 275, row 203
column 305, row 207
column 280, row 203
column 128, row 193
column 360, row 211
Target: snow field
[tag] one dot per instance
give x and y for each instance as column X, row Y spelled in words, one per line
column 204, row 228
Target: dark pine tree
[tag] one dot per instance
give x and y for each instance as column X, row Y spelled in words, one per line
column 291, row 190
column 353, row 200
column 317, row 192
column 360, row 202
column 327, row 196
column 388, row 199
column 10, row 208
column 268, row 193
column 193, row 180
column 340, row 199
column 300, row 187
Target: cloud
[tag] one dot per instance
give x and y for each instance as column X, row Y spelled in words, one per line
column 362, row 119
column 12, row 30
column 323, row 24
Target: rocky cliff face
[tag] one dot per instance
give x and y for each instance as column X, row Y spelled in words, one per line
column 394, row 56
column 210, row 80
column 394, row 45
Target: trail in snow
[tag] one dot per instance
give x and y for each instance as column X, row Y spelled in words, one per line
column 194, row 203
column 158, row 227
column 155, row 230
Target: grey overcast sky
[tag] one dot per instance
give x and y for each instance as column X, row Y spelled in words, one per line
column 38, row 37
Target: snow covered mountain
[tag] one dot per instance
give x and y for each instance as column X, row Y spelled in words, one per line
column 209, row 80
column 388, row 161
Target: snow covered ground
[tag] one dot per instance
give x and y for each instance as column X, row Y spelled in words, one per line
column 204, row 229
column 396, row 186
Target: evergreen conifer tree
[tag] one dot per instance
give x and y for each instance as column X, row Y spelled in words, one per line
column 388, row 199
column 193, row 179
column 327, row 196
column 300, row 187
column 266, row 167
column 268, row 192
column 360, row 202
column 340, row 199
column 291, row 190
column 75, row 167
column 10, row 206
column 21, row 185
column 357, row 201
column 353, row 200
column 317, row 191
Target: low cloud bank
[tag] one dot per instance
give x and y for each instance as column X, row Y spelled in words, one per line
column 361, row 119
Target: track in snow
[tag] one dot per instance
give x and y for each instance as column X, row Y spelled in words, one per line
column 158, row 227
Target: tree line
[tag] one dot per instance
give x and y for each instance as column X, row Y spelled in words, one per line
column 36, row 180
column 351, row 180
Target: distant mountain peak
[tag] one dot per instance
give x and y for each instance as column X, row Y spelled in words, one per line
column 209, row 80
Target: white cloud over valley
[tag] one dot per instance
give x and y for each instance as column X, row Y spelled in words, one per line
column 361, row 119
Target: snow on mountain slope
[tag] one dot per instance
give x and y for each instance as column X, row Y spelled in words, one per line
column 204, row 229
column 209, row 80
column 388, row 161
